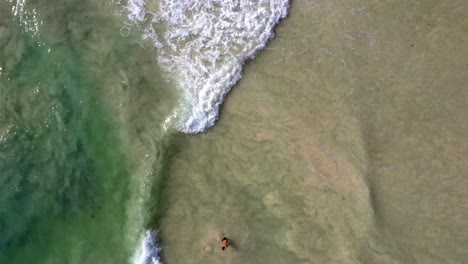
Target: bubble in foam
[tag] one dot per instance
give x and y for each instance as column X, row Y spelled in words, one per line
column 203, row 44
column 148, row 253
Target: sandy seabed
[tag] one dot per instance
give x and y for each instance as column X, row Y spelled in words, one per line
column 344, row 142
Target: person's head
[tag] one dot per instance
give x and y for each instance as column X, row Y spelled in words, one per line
column 224, row 243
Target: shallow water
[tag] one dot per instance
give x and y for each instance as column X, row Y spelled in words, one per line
column 342, row 143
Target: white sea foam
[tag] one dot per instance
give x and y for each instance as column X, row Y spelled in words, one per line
column 148, row 253
column 202, row 45
column 136, row 10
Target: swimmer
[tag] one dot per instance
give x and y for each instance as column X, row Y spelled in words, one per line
column 224, row 243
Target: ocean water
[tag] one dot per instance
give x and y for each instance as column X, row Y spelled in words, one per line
column 342, row 141
column 92, row 93
column 72, row 190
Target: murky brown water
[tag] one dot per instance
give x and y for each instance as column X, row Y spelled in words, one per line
column 345, row 142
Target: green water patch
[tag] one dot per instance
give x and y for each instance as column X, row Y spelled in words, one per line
column 83, row 151
column 63, row 177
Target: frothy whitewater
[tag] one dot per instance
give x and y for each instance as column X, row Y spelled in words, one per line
column 148, row 253
column 202, row 46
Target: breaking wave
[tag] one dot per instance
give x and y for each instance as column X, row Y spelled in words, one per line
column 148, row 253
column 202, row 45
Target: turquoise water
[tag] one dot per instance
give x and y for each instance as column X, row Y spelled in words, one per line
column 60, row 163
column 67, row 193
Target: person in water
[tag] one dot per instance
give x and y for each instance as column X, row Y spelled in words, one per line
column 224, row 243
